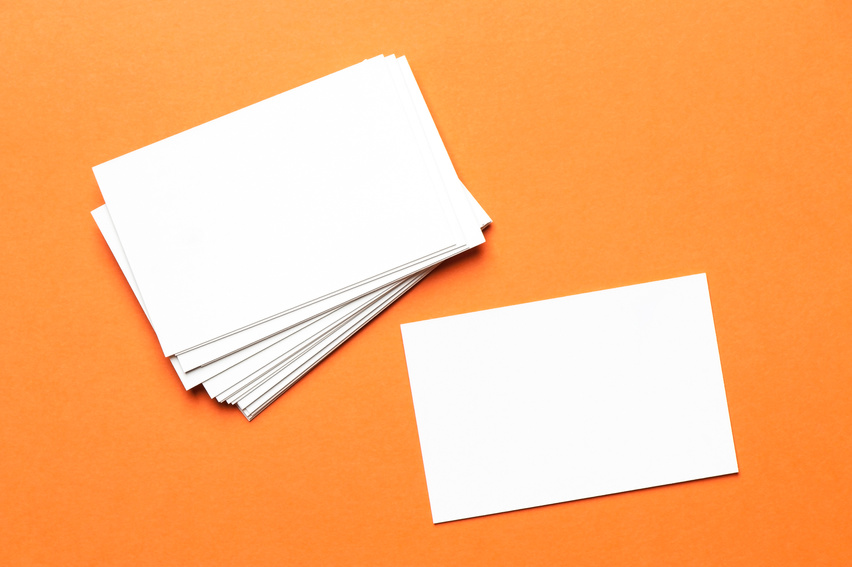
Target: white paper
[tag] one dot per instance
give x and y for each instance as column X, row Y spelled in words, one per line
column 569, row 398
column 269, row 208
column 252, row 365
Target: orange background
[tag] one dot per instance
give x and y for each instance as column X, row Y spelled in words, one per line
column 612, row 142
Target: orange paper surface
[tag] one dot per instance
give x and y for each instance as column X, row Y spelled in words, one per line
column 612, row 143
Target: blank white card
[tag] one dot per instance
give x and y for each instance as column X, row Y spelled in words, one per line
column 569, row 398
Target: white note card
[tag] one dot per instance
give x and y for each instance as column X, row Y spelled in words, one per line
column 298, row 197
column 569, row 398
column 260, row 241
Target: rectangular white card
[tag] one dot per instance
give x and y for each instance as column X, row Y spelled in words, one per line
column 269, row 208
column 569, row 398
column 255, row 363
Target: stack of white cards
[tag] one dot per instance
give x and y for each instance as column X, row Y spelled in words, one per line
column 260, row 241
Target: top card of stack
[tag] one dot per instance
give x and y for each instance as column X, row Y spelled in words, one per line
column 286, row 209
